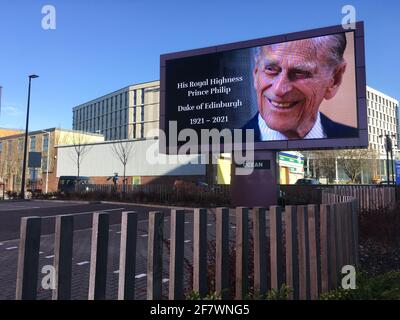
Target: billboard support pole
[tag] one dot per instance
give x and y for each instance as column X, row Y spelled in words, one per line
column 260, row 188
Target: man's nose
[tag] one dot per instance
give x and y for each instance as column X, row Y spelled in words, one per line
column 281, row 85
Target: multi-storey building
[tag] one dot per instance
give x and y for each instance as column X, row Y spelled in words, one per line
column 44, row 142
column 128, row 113
column 382, row 120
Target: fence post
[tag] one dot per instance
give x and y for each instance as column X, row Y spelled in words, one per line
column 332, row 249
column 325, row 245
column 354, row 217
column 292, row 262
column 98, row 256
column 345, row 230
column 276, row 252
column 177, row 233
column 339, row 237
column 28, row 258
column 64, row 232
column 222, row 252
column 154, row 255
column 314, row 247
column 304, row 266
column 127, row 256
column 200, row 251
column 242, row 252
column 260, row 251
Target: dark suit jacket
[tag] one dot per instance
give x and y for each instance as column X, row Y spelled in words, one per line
column 331, row 128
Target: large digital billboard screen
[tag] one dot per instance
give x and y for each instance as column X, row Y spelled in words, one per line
column 303, row 90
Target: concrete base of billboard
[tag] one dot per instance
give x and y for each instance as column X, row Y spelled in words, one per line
column 260, row 188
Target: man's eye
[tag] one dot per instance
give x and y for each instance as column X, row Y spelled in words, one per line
column 302, row 75
column 271, row 70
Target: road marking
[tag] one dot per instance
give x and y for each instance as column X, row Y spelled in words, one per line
column 1, row 243
column 187, row 241
column 116, row 271
column 49, row 257
column 186, row 222
column 118, row 232
column 144, row 235
column 233, row 227
column 209, row 224
column 41, row 252
column 11, row 248
column 82, row 263
column 165, row 280
column 142, row 275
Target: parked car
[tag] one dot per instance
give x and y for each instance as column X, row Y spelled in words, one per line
column 392, row 183
column 307, row 181
column 70, row 184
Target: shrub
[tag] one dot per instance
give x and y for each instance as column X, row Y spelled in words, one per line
column 381, row 226
column 382, row 287
column 281, row 294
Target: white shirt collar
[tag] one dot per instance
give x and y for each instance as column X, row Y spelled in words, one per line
column 268, row 134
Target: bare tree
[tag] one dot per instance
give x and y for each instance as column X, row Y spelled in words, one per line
column 354, row 161
column 122, row 150
column 80, row 149
column 325, row 163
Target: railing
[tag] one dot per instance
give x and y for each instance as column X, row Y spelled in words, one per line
column 303, row 247
column 159, row 193
column 369, row 197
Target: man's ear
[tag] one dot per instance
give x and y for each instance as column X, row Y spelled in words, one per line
column 336, row 80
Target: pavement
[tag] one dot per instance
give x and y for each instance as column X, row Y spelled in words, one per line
column 12, row 211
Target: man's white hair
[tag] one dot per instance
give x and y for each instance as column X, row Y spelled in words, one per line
column 335, row 44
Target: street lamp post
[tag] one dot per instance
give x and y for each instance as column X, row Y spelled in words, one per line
column 32, row 76
column 389, row 151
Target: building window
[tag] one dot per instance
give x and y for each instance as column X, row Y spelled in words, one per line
column 33, row 144
column 135, row 97
column 9, row 148
column 44, row 163
column 20, row 146
column 45, row 143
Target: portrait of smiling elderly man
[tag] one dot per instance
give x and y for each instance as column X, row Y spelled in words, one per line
column 291, row 81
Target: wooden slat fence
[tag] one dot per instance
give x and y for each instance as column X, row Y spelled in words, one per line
column 369, row 197
column 304, row 247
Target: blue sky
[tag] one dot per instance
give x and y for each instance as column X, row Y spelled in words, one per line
column 101, row 46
